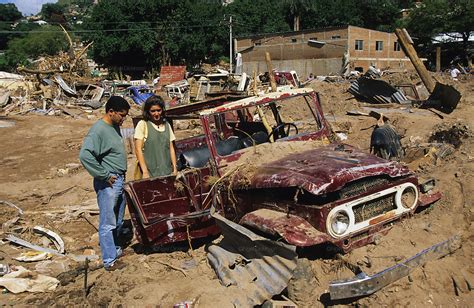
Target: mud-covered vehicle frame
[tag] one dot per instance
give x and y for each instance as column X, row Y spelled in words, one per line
column 271, row 164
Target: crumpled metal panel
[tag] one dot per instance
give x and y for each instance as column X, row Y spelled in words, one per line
column 324, row 169
column 257, row 266
column 294, row 229
column 64, row 85
column 376, row 91
column 363, row 284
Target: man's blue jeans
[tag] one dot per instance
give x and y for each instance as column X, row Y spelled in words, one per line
column 111, row 202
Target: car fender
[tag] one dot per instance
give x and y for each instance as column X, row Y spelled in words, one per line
column 293, row 229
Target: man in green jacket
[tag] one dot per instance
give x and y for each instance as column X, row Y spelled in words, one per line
column 103, row 155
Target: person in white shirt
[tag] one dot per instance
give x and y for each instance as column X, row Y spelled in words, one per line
column 454, row 73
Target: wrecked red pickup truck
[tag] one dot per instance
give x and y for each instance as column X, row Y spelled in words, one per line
column 270, row 164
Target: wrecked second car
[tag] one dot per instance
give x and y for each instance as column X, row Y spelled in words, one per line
column 269, row 163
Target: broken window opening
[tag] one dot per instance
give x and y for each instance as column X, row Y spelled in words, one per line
column 379, row 45
column 359, row 45
column 396, row 46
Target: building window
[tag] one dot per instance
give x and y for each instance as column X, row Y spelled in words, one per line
column 293, row 40
column 335, row 37
column 396, row 46
column 379, row 45
column 359, row 45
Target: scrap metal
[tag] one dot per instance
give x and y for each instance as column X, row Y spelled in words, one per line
column 363, row 284
column 258, row 266
column 376, row 91
column 54, row 237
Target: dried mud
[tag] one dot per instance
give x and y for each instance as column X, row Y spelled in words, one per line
column 37, row 147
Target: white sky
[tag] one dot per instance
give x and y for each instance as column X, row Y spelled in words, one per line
column 29, row 7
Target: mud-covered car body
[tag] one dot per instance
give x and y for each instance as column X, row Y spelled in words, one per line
column 268, row 163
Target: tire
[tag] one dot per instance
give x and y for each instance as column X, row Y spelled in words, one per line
column 302, row 284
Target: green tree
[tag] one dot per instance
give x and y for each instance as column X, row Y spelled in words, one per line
column 143, row 34
column 295, row 8
column 197, row 32
column 335, row 13
column 9, row 12
column 454, row 18
column 258, row 16
column 53, row 12
column 8, row 15
column 48, row 40
column 379, row 15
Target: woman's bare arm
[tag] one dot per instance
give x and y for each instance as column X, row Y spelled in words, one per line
column 173, row 158
column 141, row 158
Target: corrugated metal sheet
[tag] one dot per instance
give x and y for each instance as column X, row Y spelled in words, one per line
column 376, row 91
column 259, row 267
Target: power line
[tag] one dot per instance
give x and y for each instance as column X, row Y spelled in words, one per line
column 174, row 21
column 106, row 30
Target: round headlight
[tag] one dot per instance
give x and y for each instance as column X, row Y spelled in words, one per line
column 409, row 197
column 340, row 222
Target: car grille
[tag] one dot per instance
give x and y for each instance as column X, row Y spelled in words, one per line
column 361, row 186
column 373, row 208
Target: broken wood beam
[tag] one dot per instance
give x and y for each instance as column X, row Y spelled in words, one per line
column 438, row 59
column 407, row 45
column 30, row 71
column 268, row 58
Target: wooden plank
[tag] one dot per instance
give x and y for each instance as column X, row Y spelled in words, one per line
column 410, row 51
column 438, row 59
column 270, row 71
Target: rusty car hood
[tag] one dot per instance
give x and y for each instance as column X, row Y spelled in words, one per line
column 323, row 169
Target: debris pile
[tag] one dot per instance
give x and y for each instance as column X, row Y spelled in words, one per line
column 51, row 86
column 444, row 141
column 451, row 133
column 41, row 250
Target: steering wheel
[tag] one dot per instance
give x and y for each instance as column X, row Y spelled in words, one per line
column 286, row 133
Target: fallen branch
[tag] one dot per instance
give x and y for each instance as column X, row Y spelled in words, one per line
column 89, row 222
column 69, row 276
column 78, row 56
column 6, row 225
column 20, row 211
column 58, row 194
column 71, row 46
column 172, row 267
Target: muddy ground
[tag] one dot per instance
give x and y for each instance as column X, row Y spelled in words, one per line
column 39, row 173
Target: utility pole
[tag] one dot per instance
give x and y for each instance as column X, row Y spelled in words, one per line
column 230, row 43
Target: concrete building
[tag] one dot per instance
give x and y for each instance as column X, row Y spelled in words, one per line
column 322, row 51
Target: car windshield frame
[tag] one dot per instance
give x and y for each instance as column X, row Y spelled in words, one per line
column 221, row 131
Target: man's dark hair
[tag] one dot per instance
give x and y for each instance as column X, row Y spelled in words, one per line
column 153, row 100
column 116, row 103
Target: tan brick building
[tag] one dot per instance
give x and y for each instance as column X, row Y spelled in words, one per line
column 303, row 52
